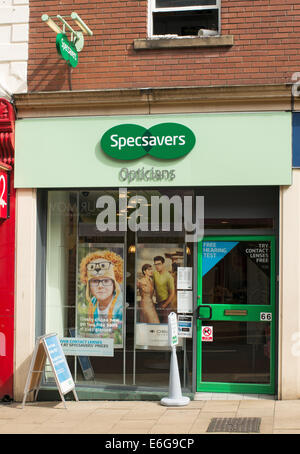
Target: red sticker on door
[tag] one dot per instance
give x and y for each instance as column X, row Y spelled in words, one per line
column 207, row 334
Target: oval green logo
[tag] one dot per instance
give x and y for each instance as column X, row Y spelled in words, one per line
column 124, row 142
column 171, row 140
column 66, row 50
column 162, row 141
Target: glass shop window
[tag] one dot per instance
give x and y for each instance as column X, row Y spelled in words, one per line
column 112, row 290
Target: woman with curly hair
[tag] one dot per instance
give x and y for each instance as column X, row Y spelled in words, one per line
column 102, row 274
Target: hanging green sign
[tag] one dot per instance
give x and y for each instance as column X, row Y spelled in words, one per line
column 162, row 141
column 66, row 50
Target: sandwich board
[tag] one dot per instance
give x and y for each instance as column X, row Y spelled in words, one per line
column 48, row 346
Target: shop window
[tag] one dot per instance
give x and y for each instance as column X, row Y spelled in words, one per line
column 116, row 286
column 184, row 18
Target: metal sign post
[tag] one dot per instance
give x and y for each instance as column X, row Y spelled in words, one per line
column 175, row 397
column 48, row 346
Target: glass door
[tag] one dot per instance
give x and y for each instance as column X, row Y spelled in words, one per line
column 236, row 314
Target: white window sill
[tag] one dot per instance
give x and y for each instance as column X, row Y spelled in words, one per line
column 185, row 41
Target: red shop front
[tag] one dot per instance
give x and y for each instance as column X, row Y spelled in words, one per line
column 7, row 248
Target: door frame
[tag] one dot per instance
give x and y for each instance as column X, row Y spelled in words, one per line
column 248, row 388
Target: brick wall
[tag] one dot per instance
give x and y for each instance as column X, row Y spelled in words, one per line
column 266, row 48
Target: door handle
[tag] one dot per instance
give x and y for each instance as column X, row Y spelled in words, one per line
column 204, row 318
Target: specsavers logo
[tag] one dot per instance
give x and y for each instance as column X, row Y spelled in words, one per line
column 162, row 141
column 66, row 50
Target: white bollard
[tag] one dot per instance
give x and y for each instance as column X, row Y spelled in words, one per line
column 175, row 397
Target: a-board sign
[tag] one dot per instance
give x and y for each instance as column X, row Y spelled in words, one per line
column 49, row 347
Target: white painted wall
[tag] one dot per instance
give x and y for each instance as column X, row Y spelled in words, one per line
column 25, row 279
column 14, row 31
column 289, row 295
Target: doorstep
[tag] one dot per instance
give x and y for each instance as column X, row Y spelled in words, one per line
column 232, row 396
column 50, row 393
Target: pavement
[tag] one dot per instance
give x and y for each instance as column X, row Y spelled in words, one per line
column 145, row 417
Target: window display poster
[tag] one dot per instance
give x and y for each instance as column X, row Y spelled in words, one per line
column 184, row 301
column 185, row 326
column 185, row 278
column 100, row 291
column 156, row 291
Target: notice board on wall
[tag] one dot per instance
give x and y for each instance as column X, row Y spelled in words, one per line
column 49, row 347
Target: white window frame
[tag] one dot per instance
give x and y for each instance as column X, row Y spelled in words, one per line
column 152, row 9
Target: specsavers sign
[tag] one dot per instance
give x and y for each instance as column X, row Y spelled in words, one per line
column 163, row 141
column 66, row 50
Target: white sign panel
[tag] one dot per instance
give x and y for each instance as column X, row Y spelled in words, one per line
column 266, row 316
column 207, row 334
column 173, row 329
column 185, row 326
column 185, row 301
column 184, row 277
column 87, row 347
column 152, row 335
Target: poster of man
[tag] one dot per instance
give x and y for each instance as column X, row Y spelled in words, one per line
column 100, row 292
column 156, row 282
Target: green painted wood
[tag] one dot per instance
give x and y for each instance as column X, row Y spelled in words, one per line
column 253, row 315
column 245, row 148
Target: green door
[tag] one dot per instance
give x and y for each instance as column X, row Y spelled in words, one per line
column 236, row 315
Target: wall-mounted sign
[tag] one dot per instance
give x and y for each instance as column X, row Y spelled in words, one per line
column 162, row 141
column 66, row 50
column 4, row 194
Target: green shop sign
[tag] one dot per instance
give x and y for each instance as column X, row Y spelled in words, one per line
column 163, row 141
column 66, row 50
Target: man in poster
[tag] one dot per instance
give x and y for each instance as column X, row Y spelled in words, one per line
column 164, row 288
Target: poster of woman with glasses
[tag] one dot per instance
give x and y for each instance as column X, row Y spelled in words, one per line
column 100, row 292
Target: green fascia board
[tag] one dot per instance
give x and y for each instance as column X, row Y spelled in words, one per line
column 232, row 149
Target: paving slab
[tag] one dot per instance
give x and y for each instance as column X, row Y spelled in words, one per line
column 287, row 415
column 132, row 426
column 179, row 428
column 129, row 417
column 220, row 406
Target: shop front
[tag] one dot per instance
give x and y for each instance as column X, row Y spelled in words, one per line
column 140, row 216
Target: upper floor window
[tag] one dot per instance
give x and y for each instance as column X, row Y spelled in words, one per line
column 184, row 17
